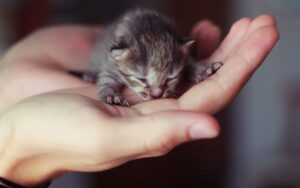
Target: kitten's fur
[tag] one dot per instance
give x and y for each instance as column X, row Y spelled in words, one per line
column 142, row 51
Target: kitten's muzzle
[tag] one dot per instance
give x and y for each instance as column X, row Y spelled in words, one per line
column 156, row 92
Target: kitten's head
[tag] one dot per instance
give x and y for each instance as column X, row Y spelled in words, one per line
column 149, row 53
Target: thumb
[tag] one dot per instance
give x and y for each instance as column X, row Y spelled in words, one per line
column 156, row 134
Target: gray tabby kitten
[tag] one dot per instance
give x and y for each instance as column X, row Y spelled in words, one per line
column 144, row 52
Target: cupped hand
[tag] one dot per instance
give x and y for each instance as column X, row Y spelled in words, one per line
column 51, row 134
column 31, row 67
column 75, row 132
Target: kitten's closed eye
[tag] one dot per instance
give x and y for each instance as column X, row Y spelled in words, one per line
column 133, row 77
column 144, row 80
column 136, row 81
column 171, row 79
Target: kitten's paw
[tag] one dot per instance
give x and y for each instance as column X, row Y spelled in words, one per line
column 116, row 100
column 209, row 71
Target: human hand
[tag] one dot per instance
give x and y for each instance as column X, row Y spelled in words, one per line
column 50, row 134
column 90, row 141
column 249, row 40
column 42, row 68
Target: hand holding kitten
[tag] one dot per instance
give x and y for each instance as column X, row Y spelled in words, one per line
column 25, row 72
column 143, row 51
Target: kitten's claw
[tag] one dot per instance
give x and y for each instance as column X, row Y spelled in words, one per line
column 116, row 100
column 125, row 103
column 217, row 65
column 209, row 71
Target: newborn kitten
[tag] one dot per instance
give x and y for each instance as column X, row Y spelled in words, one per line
column 144, row 52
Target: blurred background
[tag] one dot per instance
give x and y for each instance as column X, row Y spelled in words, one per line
column 260, row 141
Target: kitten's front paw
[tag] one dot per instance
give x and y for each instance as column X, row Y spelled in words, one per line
column 209, row 70
column 116, row 100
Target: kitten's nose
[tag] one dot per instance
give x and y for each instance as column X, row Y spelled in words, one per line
column 156, row 92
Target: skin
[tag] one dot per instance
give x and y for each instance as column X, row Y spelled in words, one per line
column 51, row 122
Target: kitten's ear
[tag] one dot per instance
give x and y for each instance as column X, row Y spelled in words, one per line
column 119, row 54
column 187, row 45
column 189, row 42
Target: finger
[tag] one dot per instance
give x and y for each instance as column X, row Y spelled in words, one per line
column 248, row 57
column 221, row 88
column 240, row 31
column 235, row 35
column 156, row 134
column 260, row 21
column 207, row 38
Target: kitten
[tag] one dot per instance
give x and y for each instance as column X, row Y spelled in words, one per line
column 144, row 52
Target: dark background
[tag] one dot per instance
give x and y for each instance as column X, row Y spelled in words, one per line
column 259, row 143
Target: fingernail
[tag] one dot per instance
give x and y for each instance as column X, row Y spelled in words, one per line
column 199, row 131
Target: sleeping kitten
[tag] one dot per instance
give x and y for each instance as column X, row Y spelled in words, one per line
column 144, row 52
